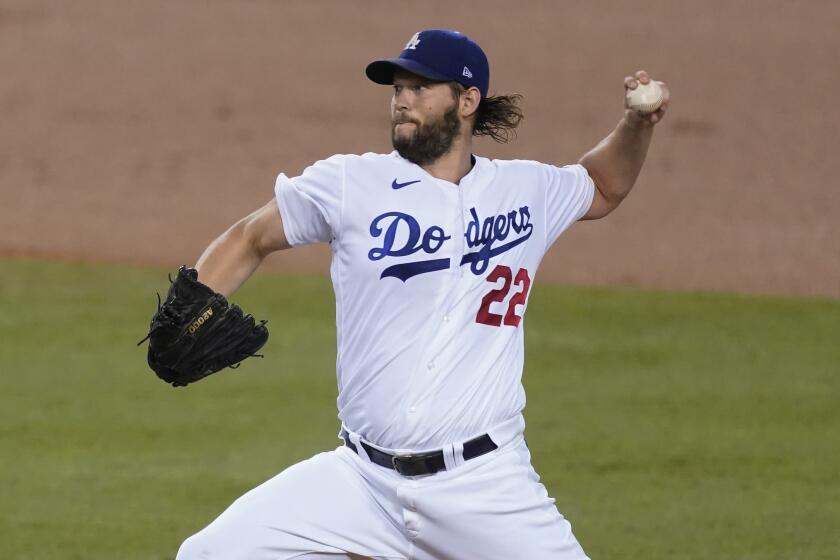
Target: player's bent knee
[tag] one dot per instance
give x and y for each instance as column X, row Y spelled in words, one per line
column 187, row 551
column 240, row 544
column 194, row 548
column 209, row 545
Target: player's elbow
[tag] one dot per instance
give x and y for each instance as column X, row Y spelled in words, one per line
column 249, row 237
column 263, row 231
column 604, row 201
column 241, row 239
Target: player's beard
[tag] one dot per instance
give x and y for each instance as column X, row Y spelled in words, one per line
column 429, row 141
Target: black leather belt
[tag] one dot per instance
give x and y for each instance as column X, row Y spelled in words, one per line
column 421, row 463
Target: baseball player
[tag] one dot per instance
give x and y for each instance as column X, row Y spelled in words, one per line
column 434, row 253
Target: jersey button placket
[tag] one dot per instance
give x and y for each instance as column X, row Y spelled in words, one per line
column 427, row 365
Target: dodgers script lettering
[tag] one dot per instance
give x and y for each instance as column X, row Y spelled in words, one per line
column 399, row 226
column 401, row 235
column 483, row 233
column 397, row 223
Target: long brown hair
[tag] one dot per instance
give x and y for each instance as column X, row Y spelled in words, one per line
column 497, row 116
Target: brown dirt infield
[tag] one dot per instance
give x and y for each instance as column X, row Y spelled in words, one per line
column 136, row 131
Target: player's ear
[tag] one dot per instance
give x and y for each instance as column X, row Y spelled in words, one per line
column 469, row 100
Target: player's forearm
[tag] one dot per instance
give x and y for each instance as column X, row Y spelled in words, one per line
column 615, row 163
column 229, row 260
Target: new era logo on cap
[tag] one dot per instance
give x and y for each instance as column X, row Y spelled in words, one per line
column 440, row 55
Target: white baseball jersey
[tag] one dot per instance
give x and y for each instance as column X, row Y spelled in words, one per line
column 431, row 282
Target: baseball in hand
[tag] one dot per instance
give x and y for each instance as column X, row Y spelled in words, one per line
column 645, row 99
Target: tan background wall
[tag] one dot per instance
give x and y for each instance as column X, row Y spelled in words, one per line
column 136, row 131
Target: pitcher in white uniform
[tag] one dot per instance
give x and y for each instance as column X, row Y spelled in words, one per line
column 434, row 253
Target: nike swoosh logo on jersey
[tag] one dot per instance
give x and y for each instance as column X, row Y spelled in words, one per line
column 395, row 185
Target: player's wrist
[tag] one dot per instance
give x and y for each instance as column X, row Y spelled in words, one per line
column 635, row 122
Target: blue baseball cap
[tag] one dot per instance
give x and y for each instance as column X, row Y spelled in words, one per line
column 437, row 54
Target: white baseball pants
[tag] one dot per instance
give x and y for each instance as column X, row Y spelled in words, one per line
column 338, row 505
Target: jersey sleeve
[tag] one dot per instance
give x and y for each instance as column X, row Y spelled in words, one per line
column 310, row 204
column 569, row 194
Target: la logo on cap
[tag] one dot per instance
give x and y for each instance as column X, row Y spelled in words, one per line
column 413, row 42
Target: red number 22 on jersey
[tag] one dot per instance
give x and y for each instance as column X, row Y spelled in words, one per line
column 522, row 280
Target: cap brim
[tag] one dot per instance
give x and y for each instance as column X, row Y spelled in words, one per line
column 382, row 71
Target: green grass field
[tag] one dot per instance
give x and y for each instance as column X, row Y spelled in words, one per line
column 668, row 426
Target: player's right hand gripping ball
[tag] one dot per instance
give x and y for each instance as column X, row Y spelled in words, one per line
column 645, row 98
column 196, row 332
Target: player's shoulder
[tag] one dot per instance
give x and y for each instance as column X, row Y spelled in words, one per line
column 513, row 163
column 521, row 164
column 367, row 159
column 343, row 164
column 375, row 159
column 529, row 167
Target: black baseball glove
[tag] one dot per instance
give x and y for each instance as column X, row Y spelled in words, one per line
column 196, row 332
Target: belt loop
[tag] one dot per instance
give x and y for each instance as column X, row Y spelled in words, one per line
column 360, row 449
column 449, row 457
column 458, row 453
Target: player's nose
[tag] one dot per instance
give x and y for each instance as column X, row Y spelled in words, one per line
column 398, row 110
column 402, row 97
column 399, row 102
